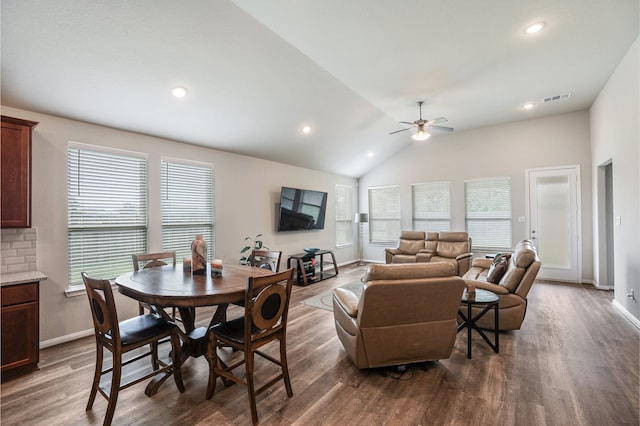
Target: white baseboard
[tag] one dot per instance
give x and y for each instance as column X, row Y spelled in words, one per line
column 65, row 339
column 635, row 321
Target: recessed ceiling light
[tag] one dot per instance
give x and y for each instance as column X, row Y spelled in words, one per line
column 528, row 105
column 534, row 28
column 306, row 129
column 370, row 154
column 179, row 92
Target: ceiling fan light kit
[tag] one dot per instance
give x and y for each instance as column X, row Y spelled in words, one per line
column 420, row 135
column 422, row 126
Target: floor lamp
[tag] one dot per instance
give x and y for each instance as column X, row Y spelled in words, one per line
column 361, row 218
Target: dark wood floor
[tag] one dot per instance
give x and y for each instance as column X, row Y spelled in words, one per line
column 574, row 362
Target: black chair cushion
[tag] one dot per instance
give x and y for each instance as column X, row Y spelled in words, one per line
column 233, row 330
column 143, row 327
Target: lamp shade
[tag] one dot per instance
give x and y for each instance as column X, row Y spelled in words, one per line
column 362, row 218
column 420, row 135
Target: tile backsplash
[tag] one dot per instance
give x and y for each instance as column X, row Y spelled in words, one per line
column 18, row 250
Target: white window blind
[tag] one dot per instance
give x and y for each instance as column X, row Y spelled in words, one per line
column 384, row 214
column 431, row 206
column 344, row 215
column 488, row 212
column 107, row 211
column 187, row 206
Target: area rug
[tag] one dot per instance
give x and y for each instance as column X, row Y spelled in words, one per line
column 324, row 299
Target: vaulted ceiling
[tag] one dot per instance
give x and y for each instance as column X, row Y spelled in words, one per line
column 257, row 71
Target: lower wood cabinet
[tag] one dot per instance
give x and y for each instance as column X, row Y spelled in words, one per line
column 20, row 329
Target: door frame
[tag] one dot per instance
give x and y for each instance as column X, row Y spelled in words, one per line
column 575, row 168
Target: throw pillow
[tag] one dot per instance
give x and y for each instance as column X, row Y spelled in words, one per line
column 498, row 268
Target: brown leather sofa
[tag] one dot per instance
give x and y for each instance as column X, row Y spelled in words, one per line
column 418, row 247
column 512, row 288
column 406, row 314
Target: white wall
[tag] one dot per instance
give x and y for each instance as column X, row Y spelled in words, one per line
column 247, row 195
column 615, row 137
column 504, row 150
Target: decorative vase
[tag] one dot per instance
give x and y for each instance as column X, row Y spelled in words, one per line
column 199, row 255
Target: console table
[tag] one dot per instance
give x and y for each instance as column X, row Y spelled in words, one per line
column 305, row 265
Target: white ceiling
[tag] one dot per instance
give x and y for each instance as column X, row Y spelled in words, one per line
column 256, row 71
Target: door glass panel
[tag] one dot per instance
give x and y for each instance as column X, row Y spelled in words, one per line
column 554, row 232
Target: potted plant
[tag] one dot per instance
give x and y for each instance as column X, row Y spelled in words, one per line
column 256, row 244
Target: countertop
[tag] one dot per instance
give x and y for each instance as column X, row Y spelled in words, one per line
column 21, row 278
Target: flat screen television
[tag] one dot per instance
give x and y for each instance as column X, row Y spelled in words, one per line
column 301, row 209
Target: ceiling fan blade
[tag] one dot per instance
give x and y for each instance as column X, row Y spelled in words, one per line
column 438, row 120
column 408, row 123
column 398, row 131
column 441, row 128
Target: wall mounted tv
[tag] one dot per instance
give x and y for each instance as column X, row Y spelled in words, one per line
column 301, row 209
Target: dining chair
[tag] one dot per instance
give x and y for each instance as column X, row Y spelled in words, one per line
column 268, row 259
column 122, row 337
column 264, row 321
column 151, row 260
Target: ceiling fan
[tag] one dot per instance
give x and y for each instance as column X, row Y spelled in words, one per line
column 422, row 126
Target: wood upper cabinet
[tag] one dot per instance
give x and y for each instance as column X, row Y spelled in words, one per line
column 15, row 169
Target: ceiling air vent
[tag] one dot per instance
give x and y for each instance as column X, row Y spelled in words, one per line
column 556, row 98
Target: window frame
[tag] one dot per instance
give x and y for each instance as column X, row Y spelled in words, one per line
column 495, row 217
column 101, row 245
column 391, row 234
column 181, row 241
column 344, row 217
column 435, row 219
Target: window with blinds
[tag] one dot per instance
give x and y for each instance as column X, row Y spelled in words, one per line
column 187, row 206
column 344, row 215
column 488, row 212
column 431, row 206
column 107, row 211
column 384, row 214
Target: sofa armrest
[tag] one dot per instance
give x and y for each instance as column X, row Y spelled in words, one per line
column 347, row 300
column 393, row 250
column 479, row 262
column 464, row 256
column 493, row 288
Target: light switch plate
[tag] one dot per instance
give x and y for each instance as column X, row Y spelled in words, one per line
column 521, row 219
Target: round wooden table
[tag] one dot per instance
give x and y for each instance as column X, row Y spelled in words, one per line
column 169, row 286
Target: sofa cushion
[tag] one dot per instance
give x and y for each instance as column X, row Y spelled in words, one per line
column 431, row 243
column 524, row 254
column 407, row 272
column 410, row 246
column 452, row 244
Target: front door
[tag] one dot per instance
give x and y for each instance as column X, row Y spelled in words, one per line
column 554, row 221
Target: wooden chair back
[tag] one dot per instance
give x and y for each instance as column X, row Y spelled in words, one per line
column 268, row 310
column 103, row 311
column 153, row 259
column 268, row 259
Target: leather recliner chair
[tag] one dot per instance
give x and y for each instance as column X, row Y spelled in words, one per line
column 512, row 288
column 406, row 314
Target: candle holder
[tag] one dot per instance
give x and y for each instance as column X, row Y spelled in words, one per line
column 216, row 268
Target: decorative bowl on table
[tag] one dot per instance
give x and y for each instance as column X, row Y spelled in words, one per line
column 311, row 250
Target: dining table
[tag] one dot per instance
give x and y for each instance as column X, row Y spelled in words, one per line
column 170, row 286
